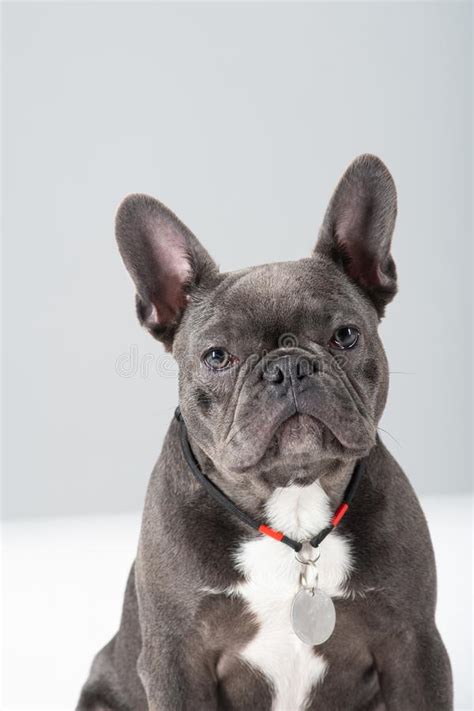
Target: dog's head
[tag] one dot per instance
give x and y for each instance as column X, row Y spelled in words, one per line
column 281, row 366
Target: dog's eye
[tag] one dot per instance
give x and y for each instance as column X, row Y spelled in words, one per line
column 218, row 358
column 345, row 337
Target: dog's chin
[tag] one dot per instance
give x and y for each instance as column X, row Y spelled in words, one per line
column 298, row 432
column 301, row 449
column 302, row 440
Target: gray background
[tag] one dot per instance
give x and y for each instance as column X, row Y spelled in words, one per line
column 241, row 118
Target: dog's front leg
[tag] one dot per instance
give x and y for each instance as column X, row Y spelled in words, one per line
column 170, row 681
column 174, row 667
column 414, row 671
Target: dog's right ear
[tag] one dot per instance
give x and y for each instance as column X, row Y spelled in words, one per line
column 164, row 259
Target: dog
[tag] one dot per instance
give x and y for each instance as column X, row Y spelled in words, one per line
column 282, row 382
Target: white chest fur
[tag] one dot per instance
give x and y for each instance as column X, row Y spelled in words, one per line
column 272, row 576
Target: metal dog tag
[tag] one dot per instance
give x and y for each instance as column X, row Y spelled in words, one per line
column 313, row 616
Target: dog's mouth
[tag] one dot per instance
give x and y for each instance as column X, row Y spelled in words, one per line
column 300, row 434
column 298, row 440
column 297, row 426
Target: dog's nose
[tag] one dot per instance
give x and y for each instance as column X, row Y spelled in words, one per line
column 287, row 369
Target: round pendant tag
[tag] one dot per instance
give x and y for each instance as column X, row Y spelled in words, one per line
column 313, row 616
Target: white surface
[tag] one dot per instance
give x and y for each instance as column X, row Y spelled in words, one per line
column 63, row 581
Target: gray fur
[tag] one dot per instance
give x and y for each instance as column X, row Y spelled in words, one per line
column 177, row 648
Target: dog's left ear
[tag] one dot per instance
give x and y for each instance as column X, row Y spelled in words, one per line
column 358, row 226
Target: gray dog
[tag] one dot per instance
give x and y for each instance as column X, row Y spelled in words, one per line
column 283, row 380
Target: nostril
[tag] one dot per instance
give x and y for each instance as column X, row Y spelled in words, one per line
column 273, row 373
column 278, row 376
column 305, row 368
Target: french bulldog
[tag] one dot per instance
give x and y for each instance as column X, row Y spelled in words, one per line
column 282, row 382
